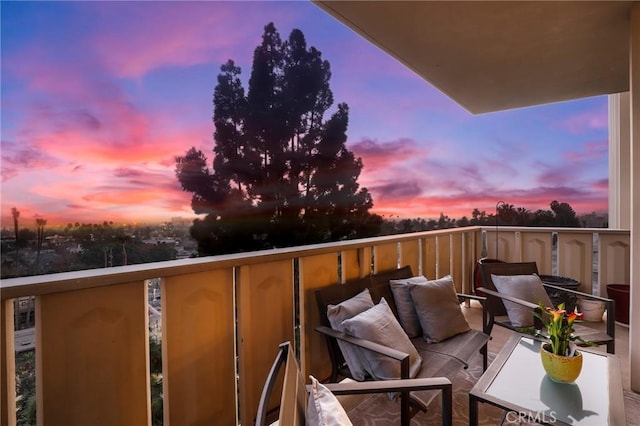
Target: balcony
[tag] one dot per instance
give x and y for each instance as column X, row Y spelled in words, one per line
column 494, row 56
column 224, row 316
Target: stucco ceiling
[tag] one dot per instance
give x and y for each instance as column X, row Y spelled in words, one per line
column 490, row 56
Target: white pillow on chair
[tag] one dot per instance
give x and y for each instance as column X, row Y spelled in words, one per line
column 323, row 408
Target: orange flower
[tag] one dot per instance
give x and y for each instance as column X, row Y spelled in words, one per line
column 573, row 316
column 557, row 314
column 559, row 325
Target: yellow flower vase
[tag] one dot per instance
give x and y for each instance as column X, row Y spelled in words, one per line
column 562, row 369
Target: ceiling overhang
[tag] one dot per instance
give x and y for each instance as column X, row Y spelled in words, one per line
column 492, row 56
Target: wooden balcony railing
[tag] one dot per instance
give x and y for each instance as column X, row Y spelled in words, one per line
column 224, row 316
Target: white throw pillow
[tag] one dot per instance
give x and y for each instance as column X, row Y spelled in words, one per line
column 323, row 408
column 525, row 287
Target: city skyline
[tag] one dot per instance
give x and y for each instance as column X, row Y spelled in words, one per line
column 98, row 98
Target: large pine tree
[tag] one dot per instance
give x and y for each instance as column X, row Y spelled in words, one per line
column 282, row 175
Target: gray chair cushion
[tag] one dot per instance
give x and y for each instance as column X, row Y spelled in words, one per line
column 336, row 314
column 404, row 305
column 379, row 325
column 525, row 287
column 438, row 309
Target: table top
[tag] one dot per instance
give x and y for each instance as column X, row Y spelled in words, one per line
column 517, row 381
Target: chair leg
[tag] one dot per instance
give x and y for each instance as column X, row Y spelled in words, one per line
column 611, row 347
column 485, row 361
column 487, row 320
column 611, row 325
column 447, row 406
column 405, row 409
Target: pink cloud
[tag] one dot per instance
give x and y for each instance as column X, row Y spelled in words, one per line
column 174, row 35
column 548, row 175
column 591, row 151
column 455, row 188
column 462, row 203
column 601, row 185
column 165, row 34
column 76, row 82
column 105, row 131
column 379, row 155
column 122, row 195
column 587, row 120
column 18, row 157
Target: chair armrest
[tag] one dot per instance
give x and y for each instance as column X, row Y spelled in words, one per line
column 384, row 386
column 609, row 303
column 471, row 296
column 578, row 293
column 404, row 387
column 509, row 298
column 610, row 306
column 403, row 357
column 367, row 344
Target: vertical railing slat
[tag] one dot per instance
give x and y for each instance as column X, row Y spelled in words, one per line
column 410, row 254
column 315, row 272
column 537, row 247
column 468, row 261
column 7, row 364
column 355, row 263
column 501, row 245
column 577, row 246
column 443, row 250
column 455, row 260
column 198, row 343
column 613, row 263
column 385, row 256
column 429, row 256
column 92, row 351
column 265, row 319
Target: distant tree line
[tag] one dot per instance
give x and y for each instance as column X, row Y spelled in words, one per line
column 100, row 245
column 560, row 214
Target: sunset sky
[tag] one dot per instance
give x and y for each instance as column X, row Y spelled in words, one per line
column 98, row 98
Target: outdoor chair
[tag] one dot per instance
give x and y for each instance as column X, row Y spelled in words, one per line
column 477, row 273
column 517, row 300
column 295, row 396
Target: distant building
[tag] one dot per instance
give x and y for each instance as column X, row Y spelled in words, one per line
column 181, row 221
column 24, row 311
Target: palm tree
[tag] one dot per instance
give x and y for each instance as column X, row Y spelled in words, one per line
column 40, row 224
column 16, row 214
column 122, row 239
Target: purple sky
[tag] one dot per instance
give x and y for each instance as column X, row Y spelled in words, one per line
column 98, row 98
